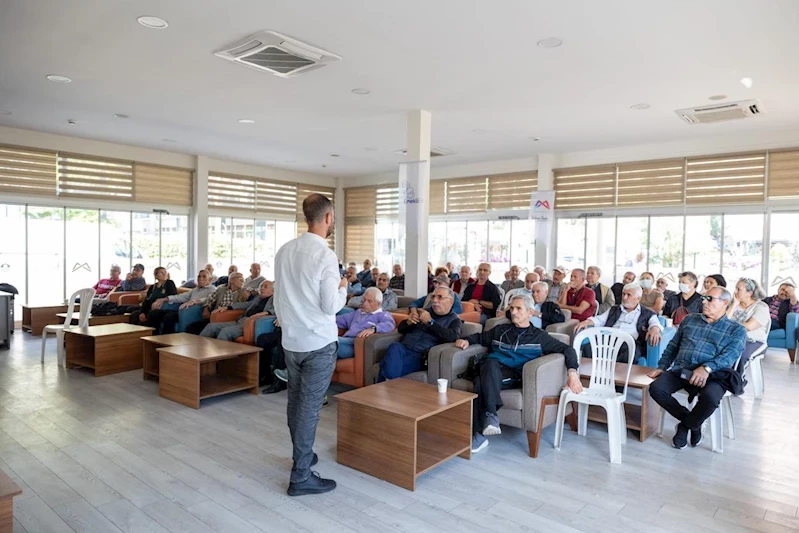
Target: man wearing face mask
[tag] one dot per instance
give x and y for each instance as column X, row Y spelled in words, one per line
column 688, row 301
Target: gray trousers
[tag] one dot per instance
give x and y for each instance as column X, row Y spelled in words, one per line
column 309, row 378
column 224, row 331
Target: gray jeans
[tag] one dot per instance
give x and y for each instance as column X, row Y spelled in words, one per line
column 224, row 331
column 309, row 377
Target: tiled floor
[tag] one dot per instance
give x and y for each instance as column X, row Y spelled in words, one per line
column 107, row 454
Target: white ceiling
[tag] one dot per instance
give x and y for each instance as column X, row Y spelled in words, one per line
column 474, row 64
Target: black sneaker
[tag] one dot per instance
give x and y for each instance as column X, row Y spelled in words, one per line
column 696, row 436
column 275, row 386
column 680, row 440
column 315, row 484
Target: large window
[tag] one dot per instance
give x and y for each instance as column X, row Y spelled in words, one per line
column 12, row 252
column 174, row 246
column 743, row 247
column 499, row 249
column 115, row 247
column 477, row 243
column 703, row 245
column 243, row 241
column 45, row 239
column 147, row 242
column 600, row 246
column 783, row 250
column 665, row 250
column 571, row 243
column 632, row 242
column 522, row 251
column 82, row 248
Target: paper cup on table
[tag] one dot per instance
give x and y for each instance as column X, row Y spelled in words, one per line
column 442, row 385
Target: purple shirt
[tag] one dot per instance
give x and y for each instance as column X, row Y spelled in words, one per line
column 358, row 321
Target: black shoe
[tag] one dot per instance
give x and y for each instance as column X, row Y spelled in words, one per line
column 680, row 440
column 314, row 460
column 275, row 386
column 313, row 485
column 696, row 437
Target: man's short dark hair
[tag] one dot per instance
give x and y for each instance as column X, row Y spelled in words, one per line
column 315, row 207
column 138, row 266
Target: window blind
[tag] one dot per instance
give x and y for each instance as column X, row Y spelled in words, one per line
column 387, row 203
column 305, row 190
column 783, row 174
column 94, row 177
column 467, row 195
column 27, row 171
column 275, row 198
column 231, row 192
column 738, row 178
column 650, row 183
column 360, row 208
column 438, row 190
column 512, row 191
column 162, row 185
column 585, row 187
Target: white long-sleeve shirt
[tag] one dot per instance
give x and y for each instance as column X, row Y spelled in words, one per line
column 307, row 293
column 627, row 321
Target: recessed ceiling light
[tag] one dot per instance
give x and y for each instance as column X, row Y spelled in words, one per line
column 334, row 155
column 154, row 23
column 479, row 131
column 747, row 82
column 551, row 42
column 716, row 97
column 5, row 112
column 246, row 121
column 71, row 121
column 536, row 139
column 169, row 140
column 58, row 79
column 120, row 115
column 639, row 107
column 370, row 149
column 324, row 166
column 362, row 92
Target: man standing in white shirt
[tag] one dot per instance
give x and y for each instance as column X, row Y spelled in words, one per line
column 309, row 291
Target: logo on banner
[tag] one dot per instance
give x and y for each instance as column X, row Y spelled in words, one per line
column 409, row 193
column 542, row 203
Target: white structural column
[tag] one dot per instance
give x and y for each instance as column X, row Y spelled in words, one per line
column 199, row 215
column 546, row 182
column 417, row 214
column 339, row 227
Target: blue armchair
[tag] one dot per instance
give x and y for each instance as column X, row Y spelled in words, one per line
column 185, row 316
column 786, row 338
column 653, row 353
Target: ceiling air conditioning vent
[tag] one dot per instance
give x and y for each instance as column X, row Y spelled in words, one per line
column 277, row 54
column 719, row 112
column 435, row 151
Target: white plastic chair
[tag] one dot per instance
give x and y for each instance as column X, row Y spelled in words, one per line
column 754, row 368
column 605, row 346
column 85, row 296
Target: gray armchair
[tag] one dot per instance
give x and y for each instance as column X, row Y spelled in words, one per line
column 525, row 408
column 565, row 328
column 375, row 347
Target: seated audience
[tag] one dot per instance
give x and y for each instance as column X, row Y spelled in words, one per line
column 604, row 296
column 512, row 280
column 260, row 306
column 423, row 330
column 223, row 280
column 192, row 282
column 388, row 297
column 578, row 298
column 781, row 304
column 397, row 281
column 510, row 347
column 650, row 297
column 752, row 313
column 371, row 281
column 686, row 302
column 542, row 273
column 464, row 280
column 714, row 280
column 617, row 287
column 162, row 288
column 134, row 281
column 254, row 280
column 452, row 274
column 224, row 297
column 354, row 287
column 545, row 313
column 706, row 345
column 430, row 277
column 169, row 319
column 210, row 268
column 106, row 286
column 365, row 274
column 527, row 288
column 442, row 280
column 368, row 319
column 557, row 285
column 631, row 317
column 483, row 293
column 662, row 286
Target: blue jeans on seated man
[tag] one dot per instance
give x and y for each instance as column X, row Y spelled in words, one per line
column 399, row 361
column 346, row 347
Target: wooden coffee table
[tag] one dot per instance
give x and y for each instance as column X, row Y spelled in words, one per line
column 399, row 429
column 97, row 320
column 34, row 319
column 8, row 490
column 641, row 417
column 192, row 372
column 150, row 345
column 106, row 349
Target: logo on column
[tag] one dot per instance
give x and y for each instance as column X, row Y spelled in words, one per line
column 84, row 266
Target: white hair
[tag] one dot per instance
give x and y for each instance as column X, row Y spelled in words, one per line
column 529, row 304
column 635, row 287
column 596, row 268
column 540, row 284
column 376, row 294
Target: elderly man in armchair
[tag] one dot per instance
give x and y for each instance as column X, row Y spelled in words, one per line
column 367, row 320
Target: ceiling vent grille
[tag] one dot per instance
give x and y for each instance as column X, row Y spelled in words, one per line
column 720, row 112
column 435, row 151
column 277, row 54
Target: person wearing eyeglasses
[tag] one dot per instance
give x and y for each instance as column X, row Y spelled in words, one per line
column 748, row 310
column 699, row 359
